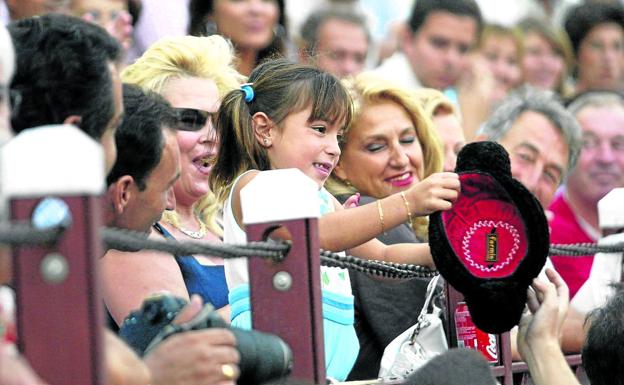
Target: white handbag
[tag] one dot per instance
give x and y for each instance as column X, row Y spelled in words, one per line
column 418, row 344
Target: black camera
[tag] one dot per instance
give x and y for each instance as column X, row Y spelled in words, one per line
column 263, row 357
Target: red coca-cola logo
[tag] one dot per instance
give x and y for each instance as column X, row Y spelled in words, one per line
column 471, row 337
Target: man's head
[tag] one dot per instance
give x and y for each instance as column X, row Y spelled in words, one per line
column 140, row 184
column 336, row 41
column 440, row 34
column 596, row 31
column 602, row 353
column 542, row 138
column 67, row 73
column 600, row 167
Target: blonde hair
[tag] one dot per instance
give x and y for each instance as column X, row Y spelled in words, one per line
column 281, row 87
column 434, row 103
column 500, row 31
column 368, row 89
column 181, row 57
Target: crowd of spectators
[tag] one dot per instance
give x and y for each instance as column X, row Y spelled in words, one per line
column 193, row 99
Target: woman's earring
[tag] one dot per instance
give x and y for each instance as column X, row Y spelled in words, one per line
column 266, row 142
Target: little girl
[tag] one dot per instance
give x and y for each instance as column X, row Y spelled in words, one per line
column 292, row 116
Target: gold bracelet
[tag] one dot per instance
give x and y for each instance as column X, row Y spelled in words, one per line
column 409, row 212
column 381, row 217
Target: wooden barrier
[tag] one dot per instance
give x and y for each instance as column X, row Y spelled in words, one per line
column 286, row 296
column 59, row 308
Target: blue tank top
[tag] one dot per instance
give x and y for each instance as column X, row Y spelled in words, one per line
column 207, row 281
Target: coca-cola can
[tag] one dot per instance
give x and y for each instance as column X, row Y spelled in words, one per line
column 471, row 337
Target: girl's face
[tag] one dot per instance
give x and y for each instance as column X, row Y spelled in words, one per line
column 248, row 23
column 382, row 155
column 541, row 64
column 310, row 146
column 197, row 148
column 502, row 54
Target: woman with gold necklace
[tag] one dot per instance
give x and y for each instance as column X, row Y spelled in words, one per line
column 192, row 74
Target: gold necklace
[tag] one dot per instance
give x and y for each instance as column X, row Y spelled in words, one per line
column 199, row 234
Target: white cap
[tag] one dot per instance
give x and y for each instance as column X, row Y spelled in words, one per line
column 52, row 160
column 611, row 209
column 278, row 195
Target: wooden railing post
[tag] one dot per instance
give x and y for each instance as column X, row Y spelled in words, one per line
column 59, row 309
column 286, row 296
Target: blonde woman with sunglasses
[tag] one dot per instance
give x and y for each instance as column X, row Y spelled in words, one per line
column 192, row 74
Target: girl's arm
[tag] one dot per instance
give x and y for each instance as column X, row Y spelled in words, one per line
column 356, row 228
column 347, row 229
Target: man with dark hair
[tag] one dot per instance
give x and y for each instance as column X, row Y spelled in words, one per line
column 596, row 30
column 147, row 166
column 602, row 352
column 336, row 41
column 140, row 188
column 67, row 73
column 435, row 45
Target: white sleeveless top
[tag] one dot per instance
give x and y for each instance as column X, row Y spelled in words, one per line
column 333, row 279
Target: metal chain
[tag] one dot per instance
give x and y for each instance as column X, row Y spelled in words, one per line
column 132, row 241
column 126, row 240
column 16, row 234
column 579, row 249
column 380, row 268
column 21, row 234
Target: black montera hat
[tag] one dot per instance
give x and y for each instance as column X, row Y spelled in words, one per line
column 494, row 240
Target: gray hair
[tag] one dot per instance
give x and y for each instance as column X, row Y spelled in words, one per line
column 543, row 102
column 310, row 28
column 7, row 56
column 595, row 99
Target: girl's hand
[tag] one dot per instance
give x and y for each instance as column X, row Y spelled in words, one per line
column 435, row 193
column 352, row 201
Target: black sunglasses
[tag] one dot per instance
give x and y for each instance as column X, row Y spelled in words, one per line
column 191, row 119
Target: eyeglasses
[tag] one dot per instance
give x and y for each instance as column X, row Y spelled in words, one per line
column 191, row 119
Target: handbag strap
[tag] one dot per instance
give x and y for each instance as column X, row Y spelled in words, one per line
column 425, row 309
column 429, row 295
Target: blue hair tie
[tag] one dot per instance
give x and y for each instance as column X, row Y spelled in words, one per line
column 248, row 91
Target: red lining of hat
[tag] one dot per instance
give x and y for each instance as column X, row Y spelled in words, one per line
column 485, row 222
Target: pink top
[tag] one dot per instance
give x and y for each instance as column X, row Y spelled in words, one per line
column 566, row 229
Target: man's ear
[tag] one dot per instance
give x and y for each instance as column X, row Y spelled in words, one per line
column 406, row 38
column 263, row 128
column 121, row 193
column 74, row 120
column 339, row 172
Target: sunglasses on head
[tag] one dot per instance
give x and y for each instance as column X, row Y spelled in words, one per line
column 191, row 119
